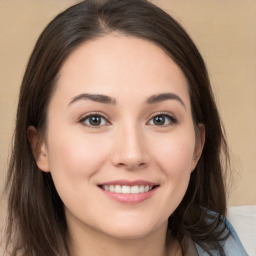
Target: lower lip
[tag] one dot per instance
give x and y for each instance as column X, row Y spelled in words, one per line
column 130, row 198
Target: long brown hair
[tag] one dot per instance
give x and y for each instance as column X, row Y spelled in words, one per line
column 36, row 221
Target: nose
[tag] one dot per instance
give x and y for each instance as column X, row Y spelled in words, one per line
column 129, row 149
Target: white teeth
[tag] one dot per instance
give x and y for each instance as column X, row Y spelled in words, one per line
column 135, row 190
column 127, row 189
column 141, row 189
column 118, row 189
column 106, row 187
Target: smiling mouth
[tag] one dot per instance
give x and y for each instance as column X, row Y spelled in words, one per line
column 124, row 189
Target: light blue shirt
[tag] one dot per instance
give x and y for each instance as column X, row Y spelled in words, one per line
column 232, row 246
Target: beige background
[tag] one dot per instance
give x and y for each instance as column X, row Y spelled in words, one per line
column 225, row 32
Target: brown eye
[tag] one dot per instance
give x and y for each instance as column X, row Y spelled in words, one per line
column 94, row 120
column 162, row 119
column 159, row 120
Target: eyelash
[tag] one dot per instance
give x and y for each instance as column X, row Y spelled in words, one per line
column 95, row 114
column 172, row 119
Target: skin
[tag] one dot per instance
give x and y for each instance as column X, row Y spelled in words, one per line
column 128, row 145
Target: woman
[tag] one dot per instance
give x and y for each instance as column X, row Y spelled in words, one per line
column 118, row 140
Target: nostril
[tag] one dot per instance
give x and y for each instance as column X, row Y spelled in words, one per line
column 135, row 166
column 142, row 165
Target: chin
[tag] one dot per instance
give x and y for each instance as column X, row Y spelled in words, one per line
column 134, row 230
column 129, row 234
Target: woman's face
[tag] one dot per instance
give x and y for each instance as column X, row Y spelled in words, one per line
column 120, row 141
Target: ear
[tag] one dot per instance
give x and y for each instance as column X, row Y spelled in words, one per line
column 200, row 140
column 38, row 148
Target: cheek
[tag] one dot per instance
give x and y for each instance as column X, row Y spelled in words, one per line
column 76, row 156
column 175, row 155
column 175, row 160
column 73, row 161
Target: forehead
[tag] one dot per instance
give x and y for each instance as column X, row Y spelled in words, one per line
column 121, row 66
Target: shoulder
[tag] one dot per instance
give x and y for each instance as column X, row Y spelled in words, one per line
column 231, row 245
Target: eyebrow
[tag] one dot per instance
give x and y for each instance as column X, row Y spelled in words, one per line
column 109, row 100
column 94, row 97
column 165, row 96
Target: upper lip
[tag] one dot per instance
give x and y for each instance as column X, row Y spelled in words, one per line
column 129, row 183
